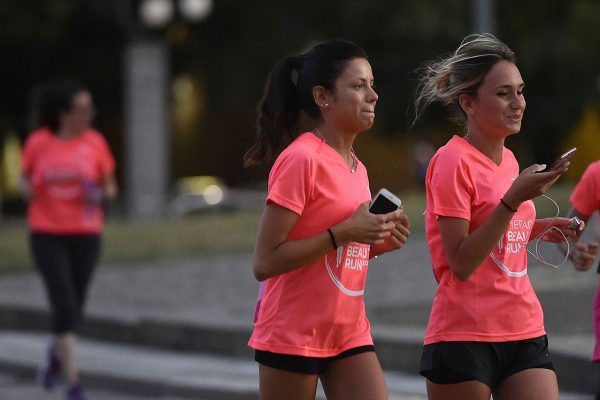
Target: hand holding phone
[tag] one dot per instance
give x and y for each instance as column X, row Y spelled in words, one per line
column 384, row 202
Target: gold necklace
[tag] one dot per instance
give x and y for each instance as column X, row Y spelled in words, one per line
column 354, row 159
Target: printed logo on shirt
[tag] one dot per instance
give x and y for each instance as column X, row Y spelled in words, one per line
column 347, row 268
column 63, row 183
column 510, row 245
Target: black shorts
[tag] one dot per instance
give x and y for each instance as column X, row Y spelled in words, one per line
column 305, row 365
column 487, row 362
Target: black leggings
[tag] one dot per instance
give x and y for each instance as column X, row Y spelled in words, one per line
column 66, row 263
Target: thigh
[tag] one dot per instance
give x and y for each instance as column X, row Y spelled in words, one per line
column 278, row 384
column 472, row 390
column 52, row 261
column 530, row 384
column 356, row 377
column 84, row 253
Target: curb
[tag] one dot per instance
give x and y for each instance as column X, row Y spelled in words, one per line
column 395, row 352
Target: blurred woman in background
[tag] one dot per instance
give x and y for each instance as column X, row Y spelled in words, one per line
column 68, row 174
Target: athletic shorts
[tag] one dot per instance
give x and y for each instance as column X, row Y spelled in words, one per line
column 487, row 362
column 305, row 365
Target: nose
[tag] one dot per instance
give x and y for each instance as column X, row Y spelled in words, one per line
column 372, row 96
column 518, row 102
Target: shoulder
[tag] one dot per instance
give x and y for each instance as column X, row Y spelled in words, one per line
column 304, row 150
column 452, row 155
column 594, row 168
column 95, row 137
column 592, row 172
column 39, row 136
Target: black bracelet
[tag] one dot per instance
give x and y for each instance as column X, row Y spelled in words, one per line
column 507, row 206
column 333, row 242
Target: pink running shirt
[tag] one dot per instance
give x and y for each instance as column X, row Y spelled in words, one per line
column 317, row 310
column 58, row 171
column 497, row 302
column 586, row 195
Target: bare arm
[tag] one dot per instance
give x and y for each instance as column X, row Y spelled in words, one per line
column 109, row 186
column 466, row 251
column 25, row 187
column 582, row 255
column 274, row 254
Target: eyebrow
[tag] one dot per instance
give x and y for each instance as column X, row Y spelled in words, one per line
column 510, row 86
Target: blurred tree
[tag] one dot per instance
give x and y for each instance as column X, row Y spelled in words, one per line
column 558, row 46
column 43, row 40
column 226, row 58
column 586, row 137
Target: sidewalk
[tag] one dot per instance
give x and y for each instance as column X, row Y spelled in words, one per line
column 205, row 305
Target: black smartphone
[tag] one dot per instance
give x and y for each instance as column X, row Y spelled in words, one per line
column 384, row 202
column 567, row 155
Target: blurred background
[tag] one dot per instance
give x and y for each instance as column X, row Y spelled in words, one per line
column 206, row 63
column 176, row 84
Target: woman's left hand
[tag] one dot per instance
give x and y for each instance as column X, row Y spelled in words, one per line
column 583, row 255
column 562, row 227
column 397, row 239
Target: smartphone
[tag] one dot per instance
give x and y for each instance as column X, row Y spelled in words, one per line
column 575, row 224
column 567, row 155
column 384, row 202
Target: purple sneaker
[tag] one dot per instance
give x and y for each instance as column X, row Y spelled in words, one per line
column 75, row 393
column 50, row 374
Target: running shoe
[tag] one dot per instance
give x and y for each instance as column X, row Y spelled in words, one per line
column 75, row 393
column 50, row 373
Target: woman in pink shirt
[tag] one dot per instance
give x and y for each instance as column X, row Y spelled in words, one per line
column 316, row 234
column 68, row 172
column 585, row 200
column 486, row 329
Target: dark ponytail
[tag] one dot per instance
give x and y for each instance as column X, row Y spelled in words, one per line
column 277, row 112
column 288, row 92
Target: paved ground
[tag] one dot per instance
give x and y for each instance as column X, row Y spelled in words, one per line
column 178, row 306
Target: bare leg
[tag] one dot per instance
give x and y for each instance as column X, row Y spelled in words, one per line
column 472, row 390
column 66, row 345
column 277, row 384
column 531, row 384
column 357, row 377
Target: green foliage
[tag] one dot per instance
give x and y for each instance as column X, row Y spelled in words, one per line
column 125, row 242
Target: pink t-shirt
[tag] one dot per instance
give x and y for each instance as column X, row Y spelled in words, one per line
column 496, row 303
column 586, row 195
column 316, row 310
column 59, row 171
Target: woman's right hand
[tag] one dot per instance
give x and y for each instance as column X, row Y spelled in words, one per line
column 531, row 184
column 366, row 227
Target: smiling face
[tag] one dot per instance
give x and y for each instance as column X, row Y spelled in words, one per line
column 498, row 106
column 351, row 105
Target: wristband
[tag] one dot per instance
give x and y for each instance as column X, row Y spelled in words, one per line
column 507, row 206
column 333, row 242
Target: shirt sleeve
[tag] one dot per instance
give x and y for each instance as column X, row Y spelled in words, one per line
column 106, row 160
column 586, row 195
column 30, row 153
column 451, row 188
column 291, row 181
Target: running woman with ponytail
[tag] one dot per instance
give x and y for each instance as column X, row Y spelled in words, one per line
column 316, row 234
column 486, row 329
